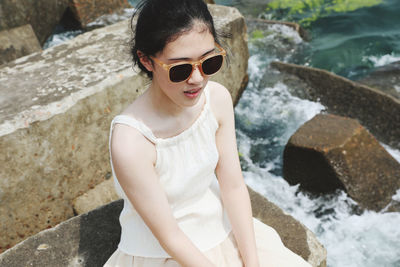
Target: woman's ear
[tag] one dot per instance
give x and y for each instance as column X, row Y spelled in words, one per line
column 145, row 60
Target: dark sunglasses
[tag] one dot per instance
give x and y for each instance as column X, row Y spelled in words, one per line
column 181, row 71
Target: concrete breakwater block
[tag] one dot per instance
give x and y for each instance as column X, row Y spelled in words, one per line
column 331, row 152
column 100, row 195
column 86, row 11
column 85, row 240
column 43, row 15
column 17, row 42
column 55, row 112
column 89, row 239
column 385, row 78
column 377, row 111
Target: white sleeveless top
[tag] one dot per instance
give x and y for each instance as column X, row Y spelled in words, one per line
column 185, row 165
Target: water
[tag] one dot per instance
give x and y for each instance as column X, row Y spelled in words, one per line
column 266, row 116
column 351, row 44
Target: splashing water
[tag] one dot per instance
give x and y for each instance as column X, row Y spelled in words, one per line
column 379, row 61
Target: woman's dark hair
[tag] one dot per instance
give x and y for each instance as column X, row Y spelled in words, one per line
column 162, row 21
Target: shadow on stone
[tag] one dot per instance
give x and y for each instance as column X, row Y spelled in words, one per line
column 97, row 243
column 89, row 239
column 86, row 240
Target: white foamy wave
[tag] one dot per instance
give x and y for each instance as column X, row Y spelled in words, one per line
column 279, row 42
column 59, row 38
column 349, row 238
column 395, row 153
column 109, row 19
column 379, row 61
column 396, row 196
column 287, row 32
column 366, row 240
column 276, row 104
column 101, row 21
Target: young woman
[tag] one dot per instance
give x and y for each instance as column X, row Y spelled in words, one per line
column 174, row 154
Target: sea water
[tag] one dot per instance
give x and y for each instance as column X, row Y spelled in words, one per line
column 266, row 116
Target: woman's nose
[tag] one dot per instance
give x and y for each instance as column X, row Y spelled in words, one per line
column 196, row 76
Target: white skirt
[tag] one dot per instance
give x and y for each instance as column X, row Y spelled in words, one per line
column 271, row 253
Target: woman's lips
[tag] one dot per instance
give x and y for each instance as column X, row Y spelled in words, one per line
column 192, row 93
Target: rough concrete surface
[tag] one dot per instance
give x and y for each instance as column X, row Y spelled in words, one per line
column 86, row 11
column 101, row 194
column 332, row 152
column 377, row 111
column 385, row 78
column 55, row 111
column 43, row 15
column 86, row 240
column 17, row 42
column 89, row 239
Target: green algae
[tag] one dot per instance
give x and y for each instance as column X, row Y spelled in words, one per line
column 308, row 11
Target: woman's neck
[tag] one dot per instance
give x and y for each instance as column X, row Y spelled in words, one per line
column 162, row 104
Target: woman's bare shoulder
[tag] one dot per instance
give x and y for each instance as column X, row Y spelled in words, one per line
column 129, row 143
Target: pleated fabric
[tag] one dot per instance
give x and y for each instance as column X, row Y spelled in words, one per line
column 185, row 167
column 271, row 253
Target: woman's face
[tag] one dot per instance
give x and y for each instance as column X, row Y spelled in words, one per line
column 191, row 46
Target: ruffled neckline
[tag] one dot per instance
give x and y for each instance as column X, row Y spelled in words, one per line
column 180, row 136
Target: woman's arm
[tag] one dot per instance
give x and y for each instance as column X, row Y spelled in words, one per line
column 133, row 159
column 234, row 192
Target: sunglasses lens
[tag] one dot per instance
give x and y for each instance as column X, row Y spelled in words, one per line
column 180, row 73
column 212, row 65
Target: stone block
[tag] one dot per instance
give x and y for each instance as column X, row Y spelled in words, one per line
column 385, row 78
column 102, row 194
column 86, row 11
column 294, row 235
column 89, row 239
column 43, row 15
column 376, row 110
column 331, row 152
column 17, row 42
column 55, row 112
column 85, row 240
